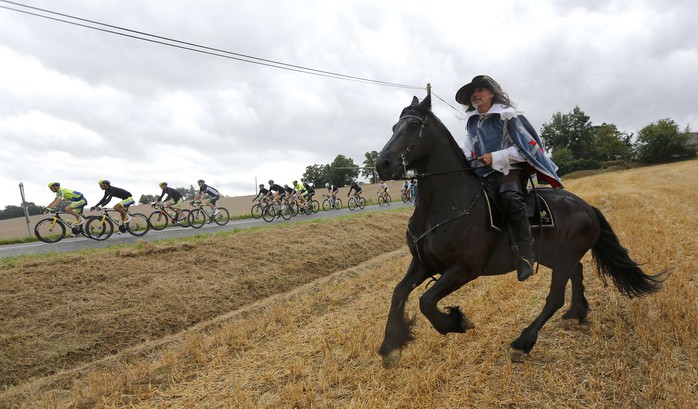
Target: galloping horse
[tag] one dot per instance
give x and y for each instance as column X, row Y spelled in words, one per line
column 449, row 234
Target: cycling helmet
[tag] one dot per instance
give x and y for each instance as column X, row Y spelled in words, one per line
column 261, row 185
column 163, row 183
column 271, row 182
column 53, row 184
column 200, row 181
column 104, row 181
column 327, row 185
column 295, row 182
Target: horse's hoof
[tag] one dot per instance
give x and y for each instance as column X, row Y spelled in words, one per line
column 391, row 359
column 517, row 355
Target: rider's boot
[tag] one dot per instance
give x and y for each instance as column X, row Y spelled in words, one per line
column 514, row 204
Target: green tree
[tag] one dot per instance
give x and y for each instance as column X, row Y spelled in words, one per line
column 317, row 175
column 370, row 162
column 343, row 170
column 572, row 131
column 609, row 143
column 146, row 199
column 663, row 142
column 12, row 211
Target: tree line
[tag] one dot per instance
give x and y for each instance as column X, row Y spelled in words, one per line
column 576, row 144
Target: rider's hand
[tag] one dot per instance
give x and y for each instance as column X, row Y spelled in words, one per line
column 92, row 209
column 486, row 159
column 191, row 203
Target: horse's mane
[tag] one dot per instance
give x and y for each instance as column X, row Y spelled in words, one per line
column 449, row 138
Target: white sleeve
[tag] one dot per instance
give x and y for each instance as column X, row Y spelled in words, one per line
column 502, row 160
column 468, row 147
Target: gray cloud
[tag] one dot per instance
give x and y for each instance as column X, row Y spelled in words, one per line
column 78, row 105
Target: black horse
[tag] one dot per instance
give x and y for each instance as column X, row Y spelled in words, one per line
column 449, row 234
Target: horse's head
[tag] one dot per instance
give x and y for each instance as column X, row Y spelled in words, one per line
column 407, row 148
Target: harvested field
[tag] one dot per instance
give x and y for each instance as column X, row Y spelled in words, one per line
column 292, row 316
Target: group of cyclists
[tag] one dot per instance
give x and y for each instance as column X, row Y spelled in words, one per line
column 303, row 192
column 208, row 196
column 173, row 200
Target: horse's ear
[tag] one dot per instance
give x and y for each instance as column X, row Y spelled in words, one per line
column 415, row 101
column 426, row 103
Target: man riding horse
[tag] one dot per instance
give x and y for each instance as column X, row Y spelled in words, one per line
column 507, row 148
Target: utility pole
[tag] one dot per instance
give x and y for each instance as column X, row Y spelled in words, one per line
column 24, row 207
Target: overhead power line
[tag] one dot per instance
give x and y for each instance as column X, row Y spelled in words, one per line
column 143, row 36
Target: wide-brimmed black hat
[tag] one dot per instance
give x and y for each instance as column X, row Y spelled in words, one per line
column 464, row 93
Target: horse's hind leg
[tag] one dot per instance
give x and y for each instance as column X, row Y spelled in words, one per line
column 555, row 300
column 580, row 306
column 398, row 327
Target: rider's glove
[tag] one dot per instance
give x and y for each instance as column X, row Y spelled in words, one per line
column 92, row 209
column 191, row 203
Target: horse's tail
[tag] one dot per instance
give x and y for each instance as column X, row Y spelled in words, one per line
column 612, row 260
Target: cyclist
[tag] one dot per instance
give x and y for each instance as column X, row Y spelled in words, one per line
column 356, row 189
column 333, row 190
column 111, row 191
column 277, row 191
column 208, row 196
column 405, row 189
column 382, row 188
column 263, row 193
column 77, row 201
column 300, row 191
column 290, row 193
column 309, row 191
column 173, row 198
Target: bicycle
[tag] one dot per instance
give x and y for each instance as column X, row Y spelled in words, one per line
column 384, row 199
column 160, row 218
column 274, row 211
column 328, row 203
column 102, row 227
column 258, row 207
column 200, row 215
column 406, row 196
column 310, row 207
column 53, row 229
column 356, row 201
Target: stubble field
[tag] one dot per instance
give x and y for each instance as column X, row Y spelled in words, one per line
column 292, row 316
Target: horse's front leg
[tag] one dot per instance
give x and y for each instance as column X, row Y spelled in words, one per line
column 453, row 320
column 398, row 328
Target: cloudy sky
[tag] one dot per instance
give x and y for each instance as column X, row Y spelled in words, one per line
column 79, row 105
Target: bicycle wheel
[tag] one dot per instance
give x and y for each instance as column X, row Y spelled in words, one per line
column 388, row 199
column 326, row 205
column 139, row 225
column 49, row 230
column 99, row 228
column 316, row 206
column 404, row 197
column 222, row 217
column 351, row 204
column 362, row 202
column 338, row 204
column 381, row 200
column 256, row 211
column 269, row 213
column 196, row 218
column 184, row 220
column 286, row 213
column 158, row 220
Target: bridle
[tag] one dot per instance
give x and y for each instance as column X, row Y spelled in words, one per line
column 415, row 139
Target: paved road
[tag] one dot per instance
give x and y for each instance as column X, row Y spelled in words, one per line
column 79, row 243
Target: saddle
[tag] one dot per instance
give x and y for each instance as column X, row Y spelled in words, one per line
column 539, row 213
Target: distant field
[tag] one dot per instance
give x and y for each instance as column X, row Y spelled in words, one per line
column 292, row 316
